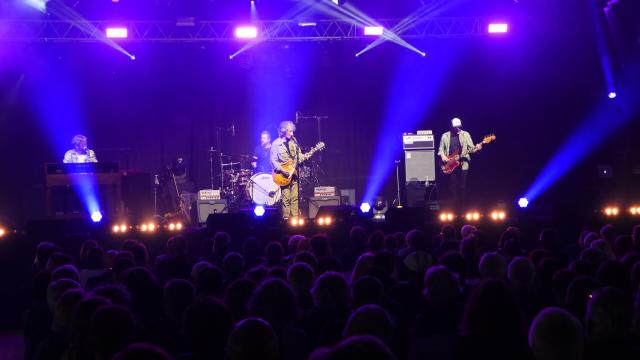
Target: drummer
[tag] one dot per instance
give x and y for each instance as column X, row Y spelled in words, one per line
column 261, row 154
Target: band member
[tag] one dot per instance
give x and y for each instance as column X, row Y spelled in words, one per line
column 457, row 143
column 80, row 152
column 285, row 149
column 262, row 154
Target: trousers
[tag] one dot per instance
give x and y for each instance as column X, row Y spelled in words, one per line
column 458, row 187
column 290, row 200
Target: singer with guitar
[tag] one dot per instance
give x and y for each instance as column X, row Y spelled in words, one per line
column 455, row 149
column 285, row 157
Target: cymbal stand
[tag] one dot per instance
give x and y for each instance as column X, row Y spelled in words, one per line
column 211, row 152
column 156, row 184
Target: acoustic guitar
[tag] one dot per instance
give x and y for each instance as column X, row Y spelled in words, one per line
column 290, row 167
column 453, row 161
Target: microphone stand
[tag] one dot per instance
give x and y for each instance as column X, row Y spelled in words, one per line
column 399, row 199
column 318, row 118
column 296, row 169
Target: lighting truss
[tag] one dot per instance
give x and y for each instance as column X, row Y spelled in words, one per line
column 209, row 31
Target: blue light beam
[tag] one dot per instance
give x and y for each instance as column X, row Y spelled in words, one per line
column 602, row 123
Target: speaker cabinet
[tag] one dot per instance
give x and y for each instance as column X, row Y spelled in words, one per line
column 315, row 203
column 420, row 165
column 210, row 207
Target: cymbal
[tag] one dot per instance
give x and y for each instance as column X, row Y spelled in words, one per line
column 231, row 164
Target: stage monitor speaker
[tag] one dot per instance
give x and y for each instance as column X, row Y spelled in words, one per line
column 420, row 165
column 211, row 207
column 315, row 203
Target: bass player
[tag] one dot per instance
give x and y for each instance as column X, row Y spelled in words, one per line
column 457, row 144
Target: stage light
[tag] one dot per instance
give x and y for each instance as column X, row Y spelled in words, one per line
column 611, row 211
column 307, row 23
column 96, row 216
column 175, row 226
column 380, row 208
column 117, row 33
column 246, row 32
column 498, row 28
column 634, row 210
column 147, row 227
column 3, row 232
column 612, row 95
column 122, row 228
column 296, row 221
column 373, row 30
column 365, row 207
column 498, row 215
column 472, row 216
column 523, row 203
column 339, row 2
column 324, row 221
column 40, row 5
column 259, row 210
column 447, row 217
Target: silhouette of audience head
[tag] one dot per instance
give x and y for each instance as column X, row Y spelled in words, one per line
column 370, row 320
column 492, row 266
column 555, row 334
column 521, row 273
column 253, row 338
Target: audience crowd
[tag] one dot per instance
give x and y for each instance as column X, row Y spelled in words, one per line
column 381, row 296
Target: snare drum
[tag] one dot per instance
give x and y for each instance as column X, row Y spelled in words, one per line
column 262, row 190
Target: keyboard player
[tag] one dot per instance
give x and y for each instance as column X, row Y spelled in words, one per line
column 80, row 152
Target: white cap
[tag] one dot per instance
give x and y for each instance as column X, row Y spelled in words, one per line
column 456, row 122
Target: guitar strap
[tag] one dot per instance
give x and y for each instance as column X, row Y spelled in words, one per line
column 286, row 143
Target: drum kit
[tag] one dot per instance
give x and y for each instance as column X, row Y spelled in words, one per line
column 240, row 186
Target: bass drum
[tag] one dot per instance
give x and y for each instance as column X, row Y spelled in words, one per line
column 262, row 190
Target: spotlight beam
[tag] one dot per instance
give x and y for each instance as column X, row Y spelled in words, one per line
column 66, row 13
column 605, row 119
column 350, row 12
column 300, row 10
column 413, row 19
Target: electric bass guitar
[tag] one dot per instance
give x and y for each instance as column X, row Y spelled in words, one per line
column 290, row 167
column 453, row 161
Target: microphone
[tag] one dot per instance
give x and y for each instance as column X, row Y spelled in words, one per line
column 233, row 129
column 298, row 115
column 272, row 193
